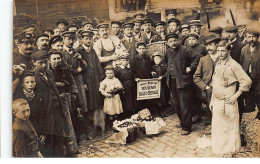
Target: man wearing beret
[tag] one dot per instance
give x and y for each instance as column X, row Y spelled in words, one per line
column 181, row 62
column 106, row 46
column 42, row 42
column 250, row 61
column 45, row 80
column 137, row 30
column 92, row 76
column 236, row 45
column 116, row 29
column 148, row 36
column 76, row 65
column 205, row 70
column 129, row 40
column 62, row 24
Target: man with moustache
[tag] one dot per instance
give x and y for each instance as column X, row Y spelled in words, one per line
column 116, row 29
column 250, row 61
column 92, row 76
column 49, row 32
column 128, row 40
column 180, row 64
column 173, row 26
column 42, row 42
column 88, row 26
column 148, row 36
column 236, row 45
column 74, row 28
column 76, row 65
column 62, row 24
column 205, row 70
column 106, row 46
column 137, row 30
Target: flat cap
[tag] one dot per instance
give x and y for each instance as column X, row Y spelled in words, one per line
column 23, row 38
column 139, row 44
column 124, row 55
column 174, row 20
column 86, row 33
column 116, row 22
column 103, row 25
column 195, row 23
column 40, row 54
column 48, row 30
column 87, row 23
column 216, row 30
column 128, row 25
column 212, row 38
column 171, row 35
column 193, row 34
column 253, row 30
column 62, row 21
column 109, row 67
column 147, row 20
column 231, row 28
column 55, row 39
column 68, row 34
column 27, row 73
column 162, row 23
column 41, row 35
column 183, row 26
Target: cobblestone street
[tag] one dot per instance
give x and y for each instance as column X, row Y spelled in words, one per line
column 169, row 144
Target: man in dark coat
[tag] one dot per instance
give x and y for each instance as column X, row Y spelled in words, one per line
column 92, row 76
column 205, row 70
column 181, row 62
column 45, row 80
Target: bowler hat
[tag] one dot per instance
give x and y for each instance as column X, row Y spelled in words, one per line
column 62, row 21
column 212, row 38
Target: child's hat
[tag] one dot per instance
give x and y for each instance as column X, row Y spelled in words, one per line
column 124, row 55
column 194, row 34
column 109, row 67
column 157, row 54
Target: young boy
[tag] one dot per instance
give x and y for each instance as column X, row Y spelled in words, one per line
column 125, row 75
column 159, row 71
column 141, row 67
column 25, row 138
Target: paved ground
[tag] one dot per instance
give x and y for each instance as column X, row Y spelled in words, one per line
column 169, row 144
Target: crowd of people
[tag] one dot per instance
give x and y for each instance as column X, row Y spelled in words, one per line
column 63, row 77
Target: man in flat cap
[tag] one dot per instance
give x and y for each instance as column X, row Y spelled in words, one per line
column 148, row 36
column 45, row 80
column 50, row 33
column 217, row 30
column 184, row 31
column 160, row 28
column 116, row 29
column 195, row 26
column 62, row 24
column 74, row 28
column 92, row 76
column 96, row 35
column 250, row 61
column 42, row 42
column 236, row 45
column 129, row 40
column 56, row 43
column 87, row 26
column 205, row 70
column 137, row 29
column 173, row 26
column 107, row 46
column 181, row 63
column 76, row 65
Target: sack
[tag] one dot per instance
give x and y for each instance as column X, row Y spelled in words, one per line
column 145, row 113
column 154, row 127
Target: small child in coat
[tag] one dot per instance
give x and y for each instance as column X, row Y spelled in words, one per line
column 110, row 88
column 25, row 138
column 159, row 71
column 126, row 76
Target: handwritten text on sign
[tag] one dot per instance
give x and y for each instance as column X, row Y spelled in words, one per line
column 148, row 89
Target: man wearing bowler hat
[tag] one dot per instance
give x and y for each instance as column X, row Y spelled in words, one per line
column 106, row 46
column 129, row 40
column 62, row 24
column 250, row 61
column 181, row 62
column 92, row 76
column 205, row 70
column 148, row 36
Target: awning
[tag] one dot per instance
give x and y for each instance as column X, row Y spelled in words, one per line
column 158, row 5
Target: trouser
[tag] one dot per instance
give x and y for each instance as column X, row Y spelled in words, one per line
column 252, row 98
column 197, row 101
column 54, row 146
column 186, row 96
column 208, row 97
column 175, row 98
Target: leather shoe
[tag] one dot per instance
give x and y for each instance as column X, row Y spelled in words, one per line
column 185, row 132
